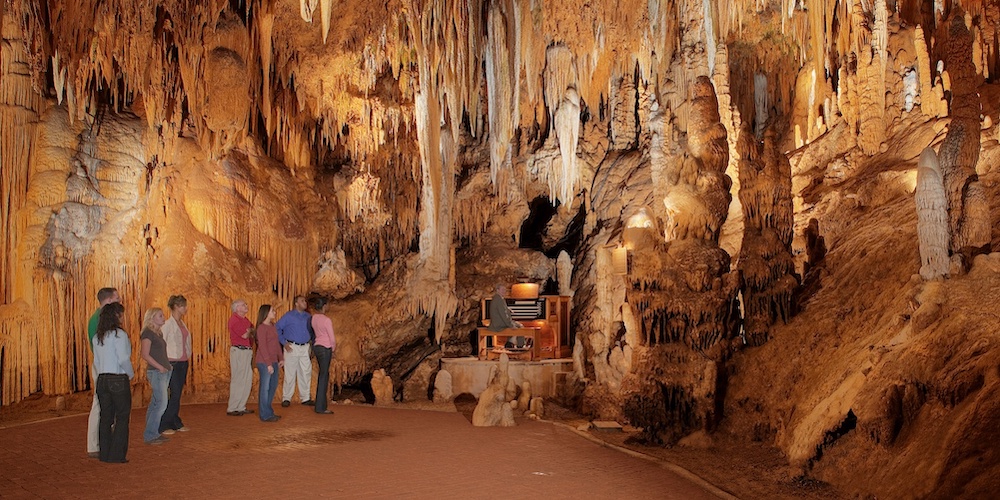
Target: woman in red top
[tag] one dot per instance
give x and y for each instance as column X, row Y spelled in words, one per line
column 270, row 356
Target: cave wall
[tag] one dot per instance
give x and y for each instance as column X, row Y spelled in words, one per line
column 387, row 155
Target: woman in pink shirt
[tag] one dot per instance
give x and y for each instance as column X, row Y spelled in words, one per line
column 270, row 356
column 324, row 346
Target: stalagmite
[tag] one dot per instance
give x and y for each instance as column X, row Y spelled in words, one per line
column 977, row 223
column 932, row 217
column 766, row 264
column 565, row 273
column 681, row 290
column 931, row 103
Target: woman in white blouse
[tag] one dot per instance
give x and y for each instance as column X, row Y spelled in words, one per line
column 178, row 339
column 113, row 364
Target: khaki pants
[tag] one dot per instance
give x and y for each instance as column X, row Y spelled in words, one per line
column 241, row 378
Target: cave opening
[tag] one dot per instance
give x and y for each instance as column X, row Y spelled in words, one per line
column 534, row 228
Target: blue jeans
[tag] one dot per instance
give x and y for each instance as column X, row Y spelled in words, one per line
column 171, row 416
column 157, row 403
column 265, row 392
column 323, row 357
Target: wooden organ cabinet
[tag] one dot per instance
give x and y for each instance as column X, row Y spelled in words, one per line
column 545, row 331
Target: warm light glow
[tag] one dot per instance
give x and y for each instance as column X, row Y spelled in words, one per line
column 619, row 260
column 524, row 291
column 640, row 219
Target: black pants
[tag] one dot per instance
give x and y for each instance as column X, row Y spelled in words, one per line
column 323, row 357
column 114, row 392
column 171, row 418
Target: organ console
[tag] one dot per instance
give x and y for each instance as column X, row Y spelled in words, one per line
column 545, row 332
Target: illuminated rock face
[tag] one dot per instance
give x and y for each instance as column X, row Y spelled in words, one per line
column 390, row 155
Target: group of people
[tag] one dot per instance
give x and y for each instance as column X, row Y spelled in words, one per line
column 166, row 348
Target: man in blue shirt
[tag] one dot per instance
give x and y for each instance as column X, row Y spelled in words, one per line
column 294, row 334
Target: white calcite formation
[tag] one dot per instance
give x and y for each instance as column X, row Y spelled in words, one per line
column 932, row 217
column 382, row 387
column 495, row 408
column 443, row 391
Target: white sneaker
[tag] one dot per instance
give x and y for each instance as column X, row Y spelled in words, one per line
column 183, row 429
column 168, row 432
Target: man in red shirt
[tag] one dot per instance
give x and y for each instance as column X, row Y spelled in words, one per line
column 240, row 359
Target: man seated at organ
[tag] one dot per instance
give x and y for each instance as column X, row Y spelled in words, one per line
column 500, row 317
column 526, row 326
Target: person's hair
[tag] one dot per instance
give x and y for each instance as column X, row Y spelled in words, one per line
column 147, row 319
column 297, row 297
column 109, row 320
column 106, row 293
column 235, row 303
column 176, row 301
column 318, row 303
column 262, row 314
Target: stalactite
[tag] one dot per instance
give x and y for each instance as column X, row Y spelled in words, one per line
column 624, row 118
column 501, row 82
column 760, row 103
column 564, row 104
column 932, row 217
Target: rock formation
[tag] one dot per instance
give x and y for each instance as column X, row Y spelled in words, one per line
column 932, row 217
column 765, row 262
column 681, row 289
column 382, row 387
column 495, row 406
column 443, row 391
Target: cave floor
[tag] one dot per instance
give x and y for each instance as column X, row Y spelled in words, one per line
column 360, row 451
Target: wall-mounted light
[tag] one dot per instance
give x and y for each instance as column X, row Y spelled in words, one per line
column 524, row 291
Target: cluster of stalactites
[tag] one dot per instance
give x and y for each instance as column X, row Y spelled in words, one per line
column 765, row 261
column 683, row 292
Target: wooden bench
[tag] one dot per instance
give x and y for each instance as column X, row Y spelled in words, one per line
column 499, row 339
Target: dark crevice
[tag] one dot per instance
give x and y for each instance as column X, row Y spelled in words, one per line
column 534, row 227
column 832, row 435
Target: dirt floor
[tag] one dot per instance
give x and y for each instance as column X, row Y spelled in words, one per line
column 745, row 470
